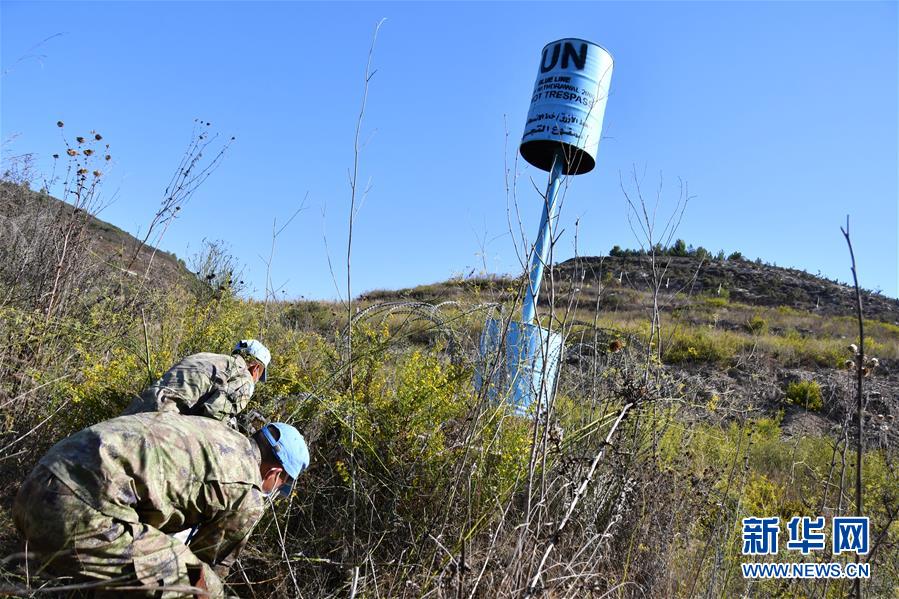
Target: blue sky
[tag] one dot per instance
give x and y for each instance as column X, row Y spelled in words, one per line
column 782, row 117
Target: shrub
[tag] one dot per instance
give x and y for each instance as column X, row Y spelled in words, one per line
column 698, row 345
column 794, row 349
column 757, row 325
column 806, row 394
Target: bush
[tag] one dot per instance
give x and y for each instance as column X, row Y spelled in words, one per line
column 806, row 394
column 715, row 302
column 757, row 325
column 698, row 345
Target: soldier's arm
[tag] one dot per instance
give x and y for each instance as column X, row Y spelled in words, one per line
column 219, row 541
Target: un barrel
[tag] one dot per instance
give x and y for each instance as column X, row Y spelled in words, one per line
column 568, row 105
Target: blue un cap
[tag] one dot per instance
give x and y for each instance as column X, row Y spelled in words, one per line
column 254, row 348
column 290, row 449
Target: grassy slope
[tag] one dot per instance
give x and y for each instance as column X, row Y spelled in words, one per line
column 745, row 343
column 110, row 244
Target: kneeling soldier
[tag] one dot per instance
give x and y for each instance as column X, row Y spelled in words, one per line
column 205, row 384
column 102, row 504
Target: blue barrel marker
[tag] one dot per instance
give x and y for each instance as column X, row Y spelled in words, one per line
column 561, row 136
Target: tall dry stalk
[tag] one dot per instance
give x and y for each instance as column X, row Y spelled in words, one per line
column 354, row 178
column 860, row 372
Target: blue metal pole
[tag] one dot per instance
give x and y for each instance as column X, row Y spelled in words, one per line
column 544, row 239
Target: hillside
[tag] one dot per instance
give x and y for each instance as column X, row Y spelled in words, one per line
column 23, row 213
column 735, row 330
column 741, row 280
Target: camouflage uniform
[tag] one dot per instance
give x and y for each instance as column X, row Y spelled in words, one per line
column 212, row 385
column 102, row 503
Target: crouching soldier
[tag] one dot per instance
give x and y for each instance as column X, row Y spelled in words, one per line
column 212, row 385
column 102, row 504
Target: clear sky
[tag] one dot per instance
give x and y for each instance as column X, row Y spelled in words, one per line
column 782, row 117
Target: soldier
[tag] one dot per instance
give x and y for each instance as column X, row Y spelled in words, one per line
column 206, row 384
column 100, row 505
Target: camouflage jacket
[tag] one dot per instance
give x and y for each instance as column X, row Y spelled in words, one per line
column 212, row 385
column 171, row 472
